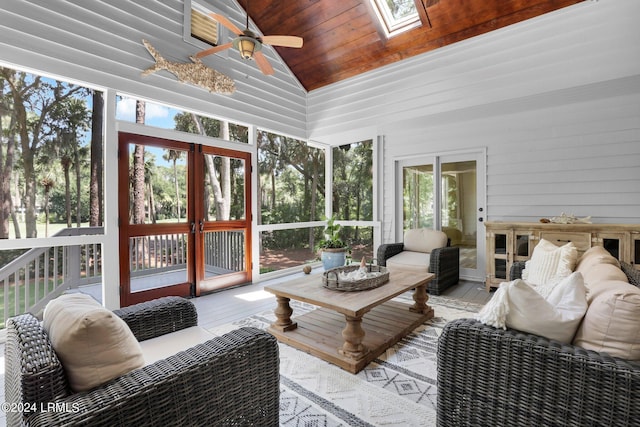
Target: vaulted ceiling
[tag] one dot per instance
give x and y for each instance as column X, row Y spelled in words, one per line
column 342, row 37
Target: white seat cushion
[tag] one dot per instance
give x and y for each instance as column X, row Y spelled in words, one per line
column 161, row 347
column 409, row 260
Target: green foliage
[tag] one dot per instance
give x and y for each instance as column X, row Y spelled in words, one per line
column 291, row 183
column 331, row 235
column 353, row 181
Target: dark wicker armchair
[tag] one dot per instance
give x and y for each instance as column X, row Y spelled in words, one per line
column 232, row 380
column 444, row 263
column 496, row 377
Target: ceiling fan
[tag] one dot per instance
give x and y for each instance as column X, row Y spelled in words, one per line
column 249, row 44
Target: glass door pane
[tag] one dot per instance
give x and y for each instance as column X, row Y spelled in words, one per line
column 155, row 233
column 418, row 196
column 458, row 209
column 158, row 184
column 224, row 188
column 224, row 236
column 446, row 193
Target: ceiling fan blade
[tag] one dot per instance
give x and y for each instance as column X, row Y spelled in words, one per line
column 263, row 63
column 285, row 41
column 213, row 50
column 224, row 21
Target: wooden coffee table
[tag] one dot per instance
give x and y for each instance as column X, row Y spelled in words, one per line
column 338, row 331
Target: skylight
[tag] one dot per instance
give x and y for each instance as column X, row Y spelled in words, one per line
column 396, row 16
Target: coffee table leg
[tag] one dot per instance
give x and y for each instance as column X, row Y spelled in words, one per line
column 353, row 335
column 420, row 297
column 283, row 315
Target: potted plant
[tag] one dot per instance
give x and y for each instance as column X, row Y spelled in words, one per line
column 332, row 249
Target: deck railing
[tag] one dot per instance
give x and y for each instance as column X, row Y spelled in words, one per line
column 157, row 254
column 39, row 275
column 224, row 251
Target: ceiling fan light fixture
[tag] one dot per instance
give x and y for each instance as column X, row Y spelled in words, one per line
column 247, row 46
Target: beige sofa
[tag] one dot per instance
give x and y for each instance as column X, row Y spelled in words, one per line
column 491, row 376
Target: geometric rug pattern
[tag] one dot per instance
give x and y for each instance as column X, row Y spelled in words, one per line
column 397, row 389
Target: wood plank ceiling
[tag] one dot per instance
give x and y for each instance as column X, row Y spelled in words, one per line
column 342, row 37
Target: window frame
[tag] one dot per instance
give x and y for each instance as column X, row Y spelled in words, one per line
column 390, row 26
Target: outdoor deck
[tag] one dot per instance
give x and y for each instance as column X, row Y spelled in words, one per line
column 237, row 303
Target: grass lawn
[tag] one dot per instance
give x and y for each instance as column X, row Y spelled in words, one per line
column 10, row 296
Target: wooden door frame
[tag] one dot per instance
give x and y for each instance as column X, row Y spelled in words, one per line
column 127, row 230
column 436, row 159
column 230, row 279
column 195, row 254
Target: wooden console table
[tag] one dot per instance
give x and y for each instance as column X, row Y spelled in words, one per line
column 508, row 242
column 338, row 331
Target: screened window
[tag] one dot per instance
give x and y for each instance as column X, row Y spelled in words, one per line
column 291, row 196
column 291, row 180
column 162, row 116
column 353, row 195
column 51, row 160
column 353, row 181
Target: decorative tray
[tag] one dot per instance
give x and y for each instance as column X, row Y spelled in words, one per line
column 355, row 277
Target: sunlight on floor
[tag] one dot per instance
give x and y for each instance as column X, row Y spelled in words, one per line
column 255, row 296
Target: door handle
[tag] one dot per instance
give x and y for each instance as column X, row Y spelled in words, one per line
column 201, row 226
column 193, row 227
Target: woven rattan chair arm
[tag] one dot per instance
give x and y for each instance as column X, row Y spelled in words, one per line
column 633, row 275
column 388, row 250
column 229, row 380
column 516, row 270
column 158, row 317
column 489, row 376
column 444, row 259
column 33, row 372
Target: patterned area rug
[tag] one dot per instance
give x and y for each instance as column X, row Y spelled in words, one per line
column 397, row 389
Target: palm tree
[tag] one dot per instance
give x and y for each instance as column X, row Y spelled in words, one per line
column 95, row 185
column 138, row 171
column 173, row 156
column 47, row 184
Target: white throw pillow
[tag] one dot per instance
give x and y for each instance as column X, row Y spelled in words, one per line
column 93, row 344
column 518, row 306
column 549, row 263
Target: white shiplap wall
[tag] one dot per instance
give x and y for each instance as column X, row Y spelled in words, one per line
column 555, row 100
column 98, row 42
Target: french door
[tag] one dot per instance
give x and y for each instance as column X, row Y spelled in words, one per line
column 184, row 224
column 446, row 192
